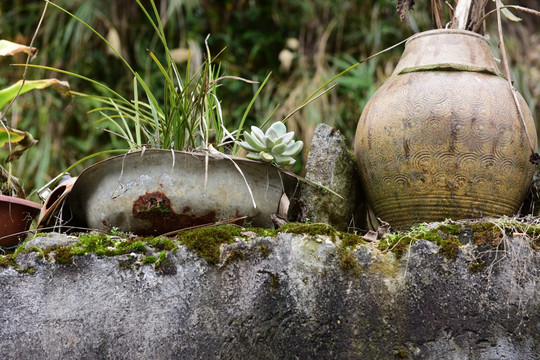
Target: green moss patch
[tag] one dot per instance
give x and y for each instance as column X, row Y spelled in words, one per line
column 486, row 233
column 444, row 235
column 160, row 243
column 7, row 260
column 348, row 262
column 347, row 241
column 206, row 242
column 263, row 232
column 149, row 260
column 310, row 229
column 477, row 265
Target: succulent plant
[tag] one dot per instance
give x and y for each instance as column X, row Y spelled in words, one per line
column 276, row 145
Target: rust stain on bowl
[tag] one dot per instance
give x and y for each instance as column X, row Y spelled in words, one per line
column 156, row 208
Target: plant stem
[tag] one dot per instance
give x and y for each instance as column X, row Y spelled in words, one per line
column 461, row 15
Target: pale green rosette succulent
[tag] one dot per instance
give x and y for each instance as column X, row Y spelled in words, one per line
column 276, row 145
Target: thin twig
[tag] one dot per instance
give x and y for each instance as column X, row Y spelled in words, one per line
column 28, row 57
column 438, row 13
column 521, row 8
column 212, row 83
column 308, row 102
column 350, row 68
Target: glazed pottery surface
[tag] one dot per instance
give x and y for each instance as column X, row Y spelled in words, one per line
column 158, row 191
column 442, row 138
column 16, row 215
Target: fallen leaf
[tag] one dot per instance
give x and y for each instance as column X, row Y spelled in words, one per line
column 20, row 142
column 8, row 48
column 10, row 92
column 370, row 236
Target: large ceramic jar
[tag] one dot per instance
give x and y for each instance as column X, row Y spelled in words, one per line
column 442, row 138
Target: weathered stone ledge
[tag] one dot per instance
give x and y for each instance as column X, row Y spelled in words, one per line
column 293, row 300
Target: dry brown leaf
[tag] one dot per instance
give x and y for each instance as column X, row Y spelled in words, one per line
column 8, row 48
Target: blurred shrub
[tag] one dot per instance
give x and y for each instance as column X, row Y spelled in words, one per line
column 317, row 38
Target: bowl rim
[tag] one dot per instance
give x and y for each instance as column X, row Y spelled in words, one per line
column 19, row 201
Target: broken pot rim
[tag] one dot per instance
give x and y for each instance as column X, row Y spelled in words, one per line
column 19, row 201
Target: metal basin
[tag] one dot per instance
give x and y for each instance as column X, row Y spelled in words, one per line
column 159, row 191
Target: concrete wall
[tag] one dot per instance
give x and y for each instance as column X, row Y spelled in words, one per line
column 295, row 300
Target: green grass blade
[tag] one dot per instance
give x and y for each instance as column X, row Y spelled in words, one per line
column 241, row 125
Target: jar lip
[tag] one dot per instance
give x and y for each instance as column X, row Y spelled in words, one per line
column 446, row 32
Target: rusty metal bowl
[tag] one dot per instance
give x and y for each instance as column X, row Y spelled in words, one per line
column 441, row 138
column 159, row 191
column 16, row 215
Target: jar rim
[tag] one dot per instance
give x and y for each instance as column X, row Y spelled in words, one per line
column 446, row 32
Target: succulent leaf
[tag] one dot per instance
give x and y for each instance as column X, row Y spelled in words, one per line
column 276, row 145
column 287, row 137
column 266, row 157
column 279, row 149
column 279, row 128
column 254, row 156
column 284, row 160
column 293, row 148
column 254, row 142
column 248, row 147
column 269, row 143
column 271, row 133
column 258, row 133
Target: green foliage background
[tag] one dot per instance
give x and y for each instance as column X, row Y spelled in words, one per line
column 331, row 35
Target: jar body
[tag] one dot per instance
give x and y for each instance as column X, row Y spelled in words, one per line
column 442, row 137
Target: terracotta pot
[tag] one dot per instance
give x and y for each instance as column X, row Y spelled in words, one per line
column 16, row 215
column 159, row 191
column 442, row 138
